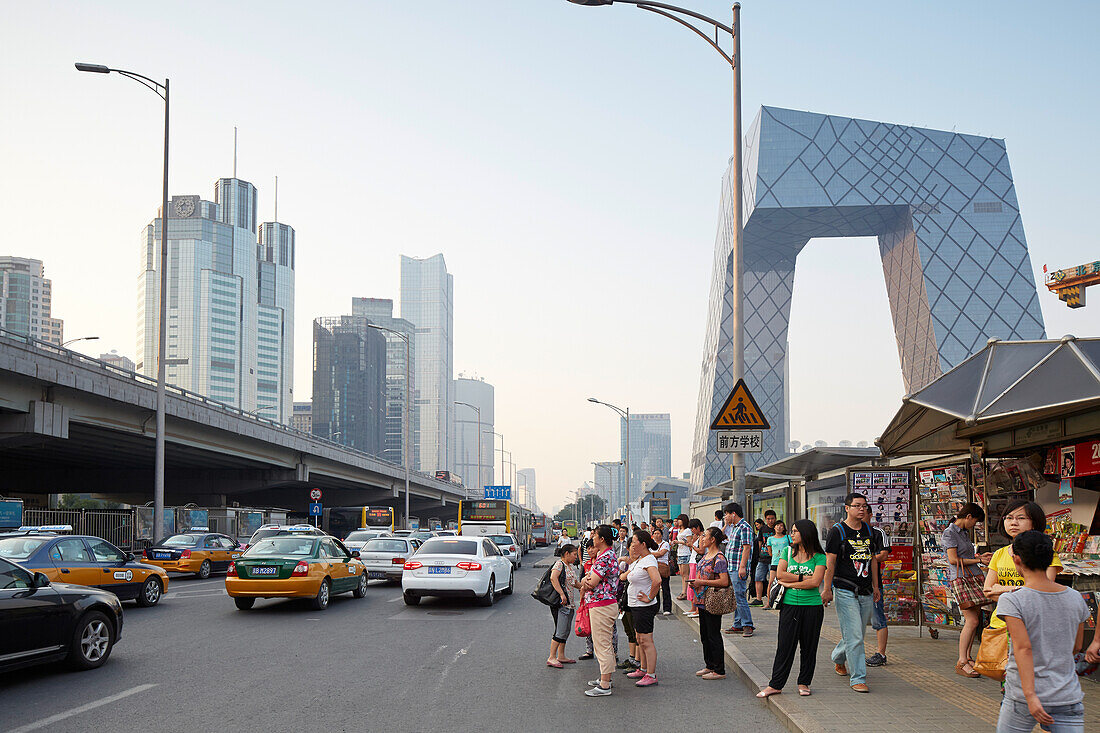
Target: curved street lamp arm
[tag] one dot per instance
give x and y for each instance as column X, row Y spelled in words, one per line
column 647, row 5
column 696, row 31
column 156, row 87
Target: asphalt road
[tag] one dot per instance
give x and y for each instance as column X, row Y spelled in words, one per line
column 195, row 663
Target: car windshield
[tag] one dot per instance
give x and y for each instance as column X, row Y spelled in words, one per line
column 422, row 535
column 448, row 546
column 363, row 536
column 182, row 540
column 386, row 546
column 20, row 548
column 281, row 547
column 502, row 539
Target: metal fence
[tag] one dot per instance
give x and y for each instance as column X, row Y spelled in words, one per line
column 114, row 525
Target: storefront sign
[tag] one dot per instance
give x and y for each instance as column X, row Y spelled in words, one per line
column 1046, row 432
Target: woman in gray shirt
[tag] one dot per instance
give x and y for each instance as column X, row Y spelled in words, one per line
column 1046, row 623
column 962, row 557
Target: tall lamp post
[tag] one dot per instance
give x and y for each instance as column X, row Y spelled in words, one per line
column 691, row 20
column 161, row 90
column 606, row 465
column 624, row 414
column 478, row 411
column 501, row 449
column 406, row 444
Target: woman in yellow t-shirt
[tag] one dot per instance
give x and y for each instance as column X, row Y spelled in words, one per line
column 1003, row 577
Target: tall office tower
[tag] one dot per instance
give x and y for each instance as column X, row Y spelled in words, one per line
column 302, row 417
column 650, row 449
column 349, row 376
column 479, row 393
column 607, row 477
column 380, row 312
column 525, row 478
column 25, row 298
column 230, row 301
column 116, row 359
column 427, row 301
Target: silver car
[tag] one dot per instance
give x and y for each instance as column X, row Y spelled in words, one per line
column 384, row 557
column 360, row 537
column 509, row 547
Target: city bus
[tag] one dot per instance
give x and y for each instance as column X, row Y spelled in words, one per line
column 570, row 527
column 340, row 521
column 479, row 517
column 542, row 529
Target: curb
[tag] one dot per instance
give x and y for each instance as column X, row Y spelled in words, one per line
column 793, row 719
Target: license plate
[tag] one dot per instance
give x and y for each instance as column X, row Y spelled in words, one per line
column 264, row 571
column 374, row 575
column 161, row 555
column 439, row 571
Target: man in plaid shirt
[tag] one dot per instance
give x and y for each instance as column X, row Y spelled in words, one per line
column 738, row 551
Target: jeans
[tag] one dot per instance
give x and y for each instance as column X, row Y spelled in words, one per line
column 878, row 615
column 1015, row 718
column 563, row 622
column 710, row 637
column 742, row 616
column 801, row 626
column 852, row 613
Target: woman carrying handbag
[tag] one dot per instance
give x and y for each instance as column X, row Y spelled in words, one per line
column 712, row 579
column 799, row 576
column 964, row 567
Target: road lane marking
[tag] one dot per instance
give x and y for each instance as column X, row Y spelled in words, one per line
column 82, row 709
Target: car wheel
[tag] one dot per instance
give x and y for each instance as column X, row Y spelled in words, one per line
column 92, row 641
column 320, row 603
column 204, row 570
column 150, row 592
column 361, row 589
column 411, row 600
column 490, row 595
column 244, row 604
column 511, row 583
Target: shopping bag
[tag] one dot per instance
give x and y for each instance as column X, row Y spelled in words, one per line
column 993, row 654
column 582, row 625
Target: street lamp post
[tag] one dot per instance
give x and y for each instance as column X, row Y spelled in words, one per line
column 606, row 465
column 256, row 412
column 161, row 90
column 478, row 411
column 625, row 414
column 688, row 19
column 406, row 447
column 82, row 338
column 501, row 449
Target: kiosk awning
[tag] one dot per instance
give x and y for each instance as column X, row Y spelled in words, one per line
column 1005, row 385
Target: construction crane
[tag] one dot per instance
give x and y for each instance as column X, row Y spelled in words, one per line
column 1069, row 284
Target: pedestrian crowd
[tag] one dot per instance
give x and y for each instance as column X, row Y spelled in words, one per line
column 621, row 578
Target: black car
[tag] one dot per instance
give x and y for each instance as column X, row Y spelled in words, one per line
column 44, row 622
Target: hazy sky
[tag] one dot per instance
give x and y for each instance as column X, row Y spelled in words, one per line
column 566, row 161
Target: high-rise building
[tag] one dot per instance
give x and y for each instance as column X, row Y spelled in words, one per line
column 380, row 312
column 427, row 301
column 479, row 393
column 230, row 301
column 525, row 481
column 302, row 417
column 116, row 359
column 349, row 376
column 25, row 299
column 650, row 448
column 607, row 477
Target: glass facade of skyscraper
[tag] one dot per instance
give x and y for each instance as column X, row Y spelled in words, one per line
column 479, row 393
column 349, row 375
column 650, row 448
column 26, row 299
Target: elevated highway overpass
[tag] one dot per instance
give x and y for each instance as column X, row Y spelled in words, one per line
column 72, row 424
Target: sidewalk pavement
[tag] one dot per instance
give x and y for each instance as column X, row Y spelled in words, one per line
column 917, row 690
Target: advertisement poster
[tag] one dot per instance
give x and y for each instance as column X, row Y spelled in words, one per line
column 1065, row 491
column 1069, row 462
column 1086, row 459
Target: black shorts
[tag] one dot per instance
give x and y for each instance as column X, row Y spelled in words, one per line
column 643, row 618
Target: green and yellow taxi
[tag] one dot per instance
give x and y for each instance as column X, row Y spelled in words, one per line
column 85, row 560
column 197, row 551
column 295, row 566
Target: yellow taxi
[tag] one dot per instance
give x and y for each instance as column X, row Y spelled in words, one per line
column 84, row 560
column 197, row 551
column 295, row 566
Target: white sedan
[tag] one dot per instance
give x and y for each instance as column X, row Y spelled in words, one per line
column 509, row 547
column 468, row 567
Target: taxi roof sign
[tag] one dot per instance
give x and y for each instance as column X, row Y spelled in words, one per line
column 47, row 528
column 199, row 529
column 740, row 411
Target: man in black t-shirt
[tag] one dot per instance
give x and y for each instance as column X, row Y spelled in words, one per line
column 851, row 577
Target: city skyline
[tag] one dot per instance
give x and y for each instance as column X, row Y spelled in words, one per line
column 548, row 241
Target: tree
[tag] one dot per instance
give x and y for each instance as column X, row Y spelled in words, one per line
column 76, row 501
column 588, row 507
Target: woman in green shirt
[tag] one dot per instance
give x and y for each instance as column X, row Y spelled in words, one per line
column 800, row 571
column 777, row 544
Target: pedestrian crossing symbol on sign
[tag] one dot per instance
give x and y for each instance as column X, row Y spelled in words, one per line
column 740, row 411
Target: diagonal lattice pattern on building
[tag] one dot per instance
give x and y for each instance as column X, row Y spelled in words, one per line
column 944, row 209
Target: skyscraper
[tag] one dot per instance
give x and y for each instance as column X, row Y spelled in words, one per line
column 479, row 393
column 607, row 477
column 349, row 375
column 650, row 448
column 25, row 299
column 525, row 479
column 427, row 301
column 230, row 301
column 380, row 312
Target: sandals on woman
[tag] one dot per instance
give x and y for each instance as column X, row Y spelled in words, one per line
column 768, row 692
column 804, row 691
column 960, row 669
column 554, row 664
